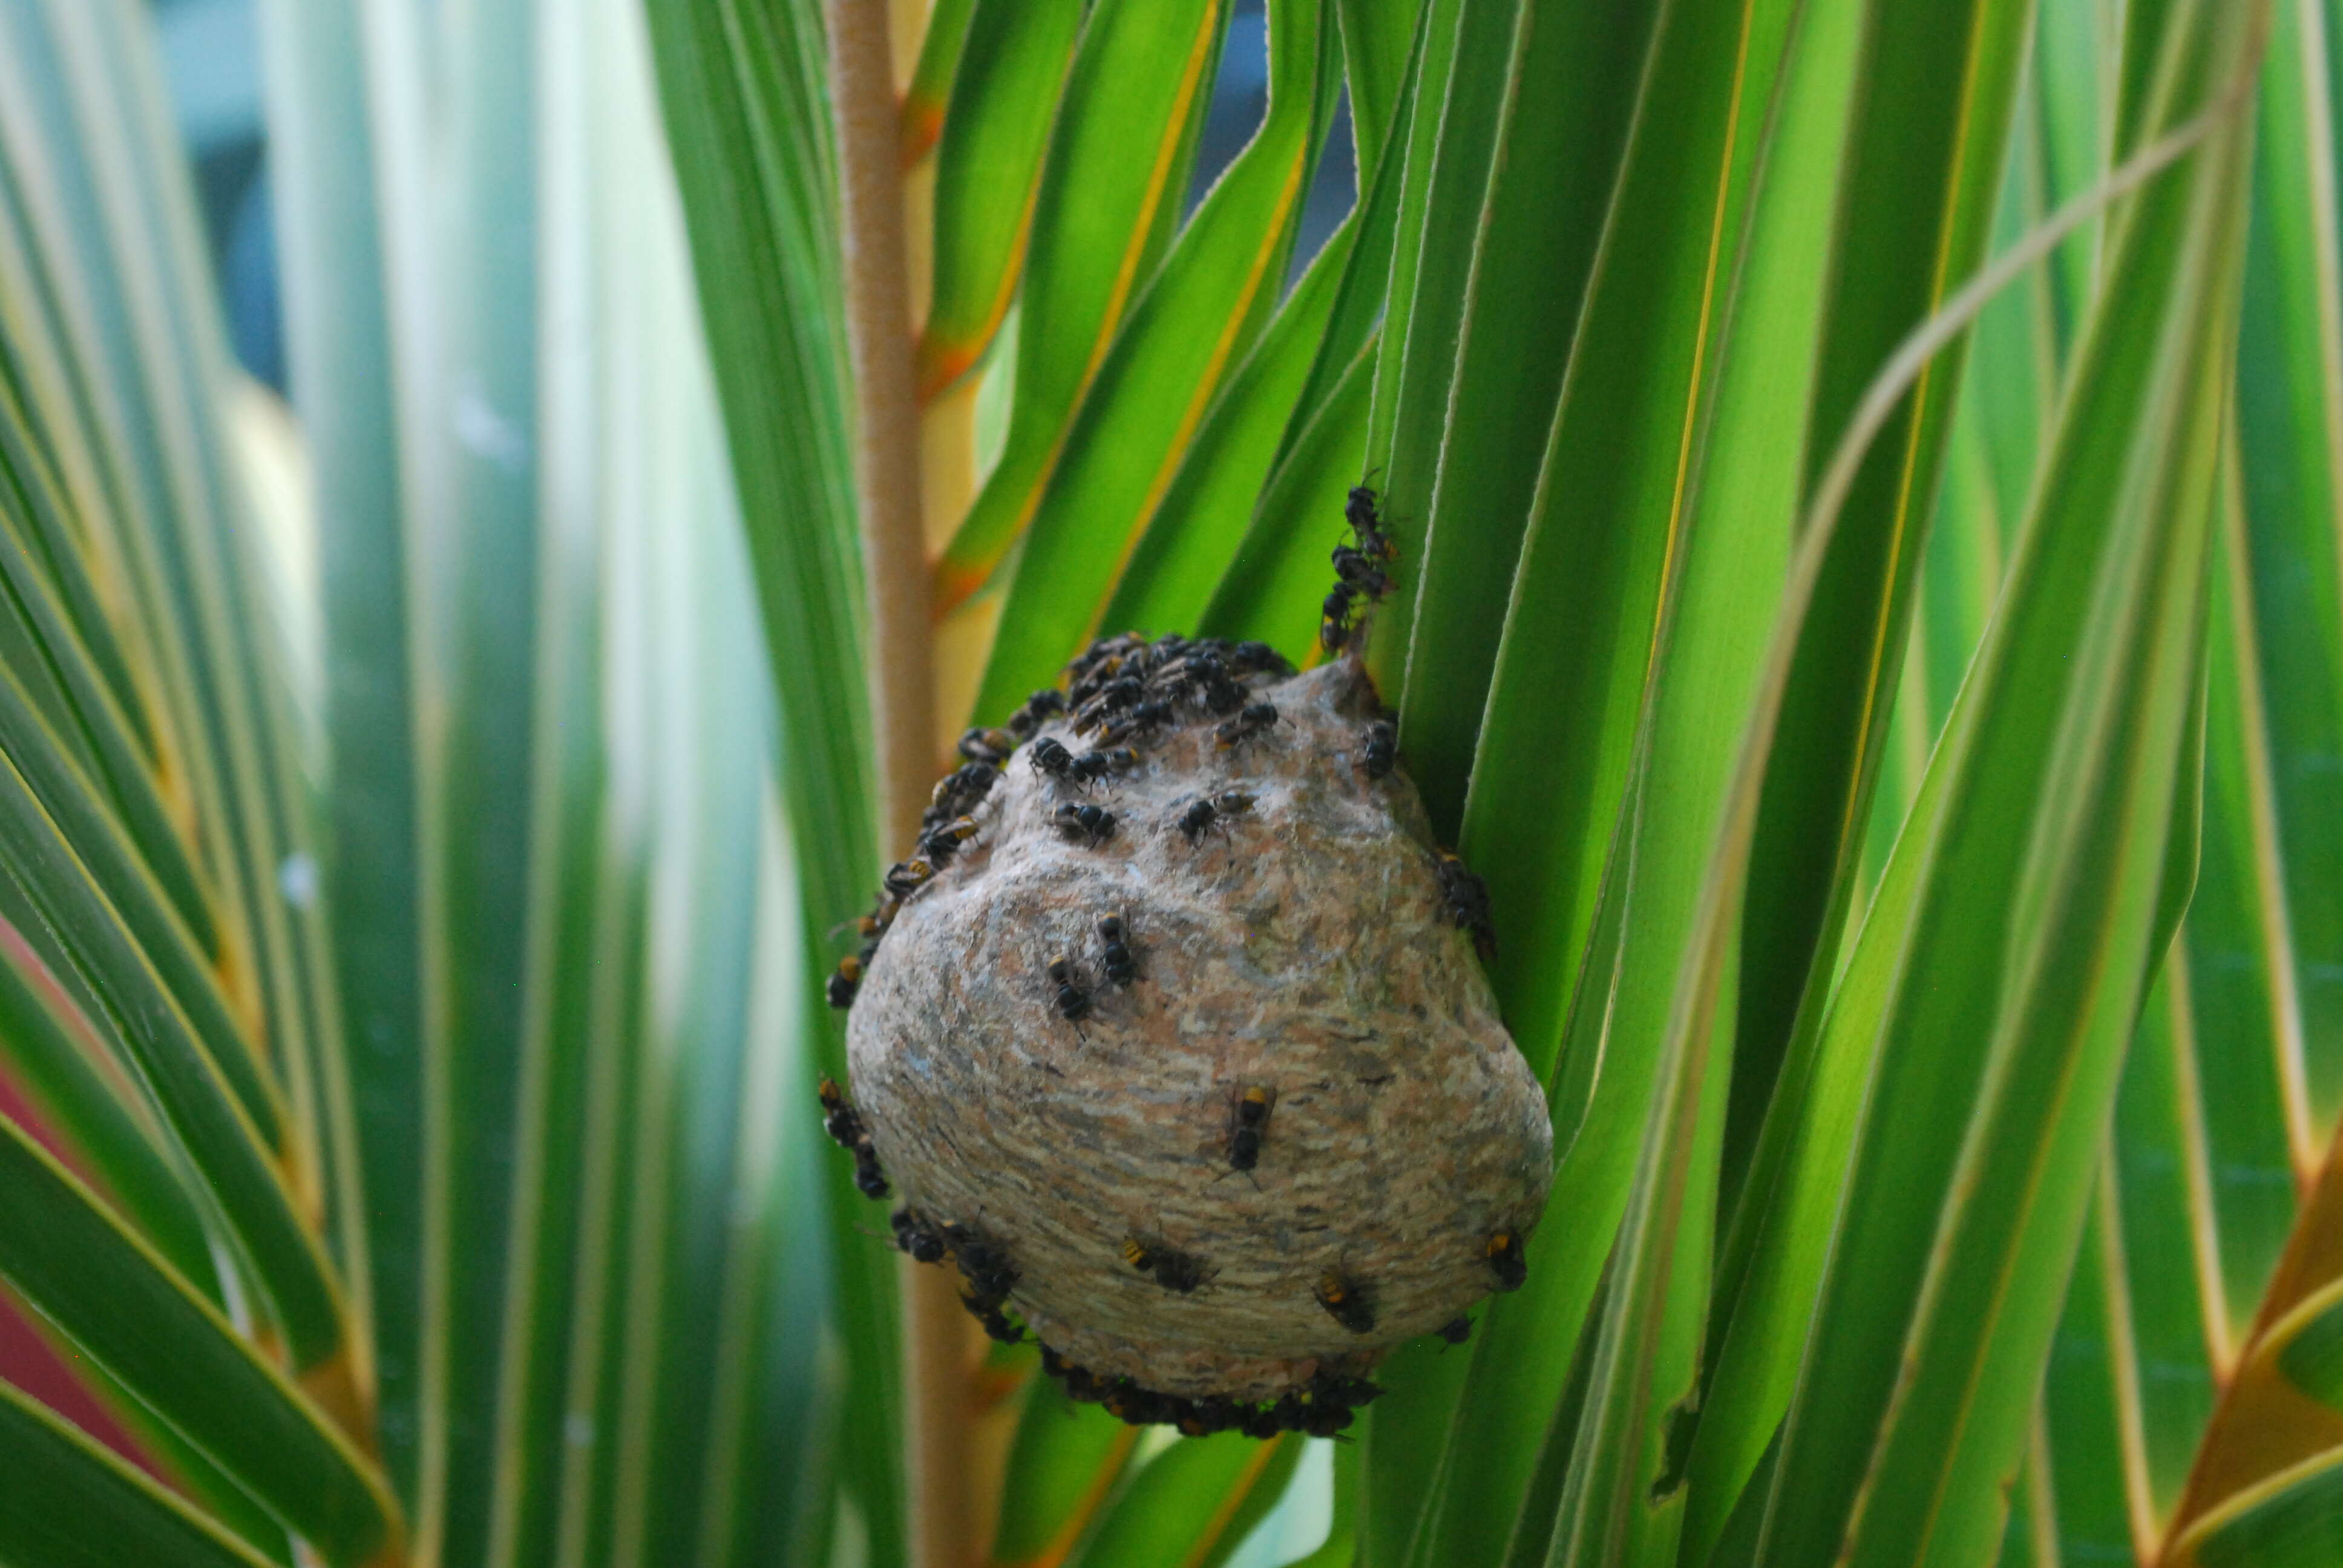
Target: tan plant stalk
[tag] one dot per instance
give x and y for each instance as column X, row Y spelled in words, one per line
column 902, row 696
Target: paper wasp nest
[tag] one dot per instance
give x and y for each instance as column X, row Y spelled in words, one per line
column 1273, row 1130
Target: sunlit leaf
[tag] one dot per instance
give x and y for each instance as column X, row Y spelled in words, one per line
column 1004, row 98
column 1106, row 207
column 1184, row 335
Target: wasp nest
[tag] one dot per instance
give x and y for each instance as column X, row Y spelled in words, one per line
column 1176, row 1046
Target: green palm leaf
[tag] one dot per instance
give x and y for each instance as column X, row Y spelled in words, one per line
column 70, row 1502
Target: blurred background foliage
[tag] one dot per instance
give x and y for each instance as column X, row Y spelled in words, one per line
column 428, row 792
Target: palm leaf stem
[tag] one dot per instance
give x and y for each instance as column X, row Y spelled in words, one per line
column 902, row 688
column 2243, row 1435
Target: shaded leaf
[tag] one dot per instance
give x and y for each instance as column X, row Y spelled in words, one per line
column 65, row 1502
column 1192, row 1503
column 1063, row 1465
column 125, row 1308
column 1527, row 208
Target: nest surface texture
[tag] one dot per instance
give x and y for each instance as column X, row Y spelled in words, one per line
column 1303, row 949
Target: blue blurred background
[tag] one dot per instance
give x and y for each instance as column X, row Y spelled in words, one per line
column 212, row 52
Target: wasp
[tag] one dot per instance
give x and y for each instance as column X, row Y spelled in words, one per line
column 1341, row 1388
column 1177, row 1270
column 1260, row 659
column 1104, row 650
column 1249, row 1116
column 839, row 1119
column 908, row 877
column 1089, row 768
column 1173, row 1269
column 1359, row 573
column 983, row 1263
column 1206, row 814
column 1214, row 1413
column 1114, row 956
column 1113, row 698
column 1468, row 903
column 1092, row 766
column 1050, row 760
column 1137, row 722
column 1221, row 696
column 998, row 1324
column 872, row 926
column 1101, row 672
column 1345, row 1301
column 846, row 981
column 1313, row 1411
column 1071, row 1000
column 1040, row 708
column 1334, row 620
column 959, row 793
column 1506, row 1260
column 1093, row 824
column 1382, row 749
column 991, row 746
column 1080, row 694
column 939, row 845
column 1251, row 723
column 1204, row 678
column 1325, row 1420
column 1136, row 1406
column 1361, row 511
column 913, row 1236
column 870, row 1179
column 1194, row 663
column 1082, row 662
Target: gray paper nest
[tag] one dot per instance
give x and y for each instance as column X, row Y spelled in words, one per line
column 1308, row 946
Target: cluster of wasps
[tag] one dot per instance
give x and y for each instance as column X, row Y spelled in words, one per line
column 986, row 1273
column 1323, row 1407
column 1070, row 996
column 844, row 1124
column 1361, row 579
column 1120, row 694
column 945, row 828
column 1123, row 691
